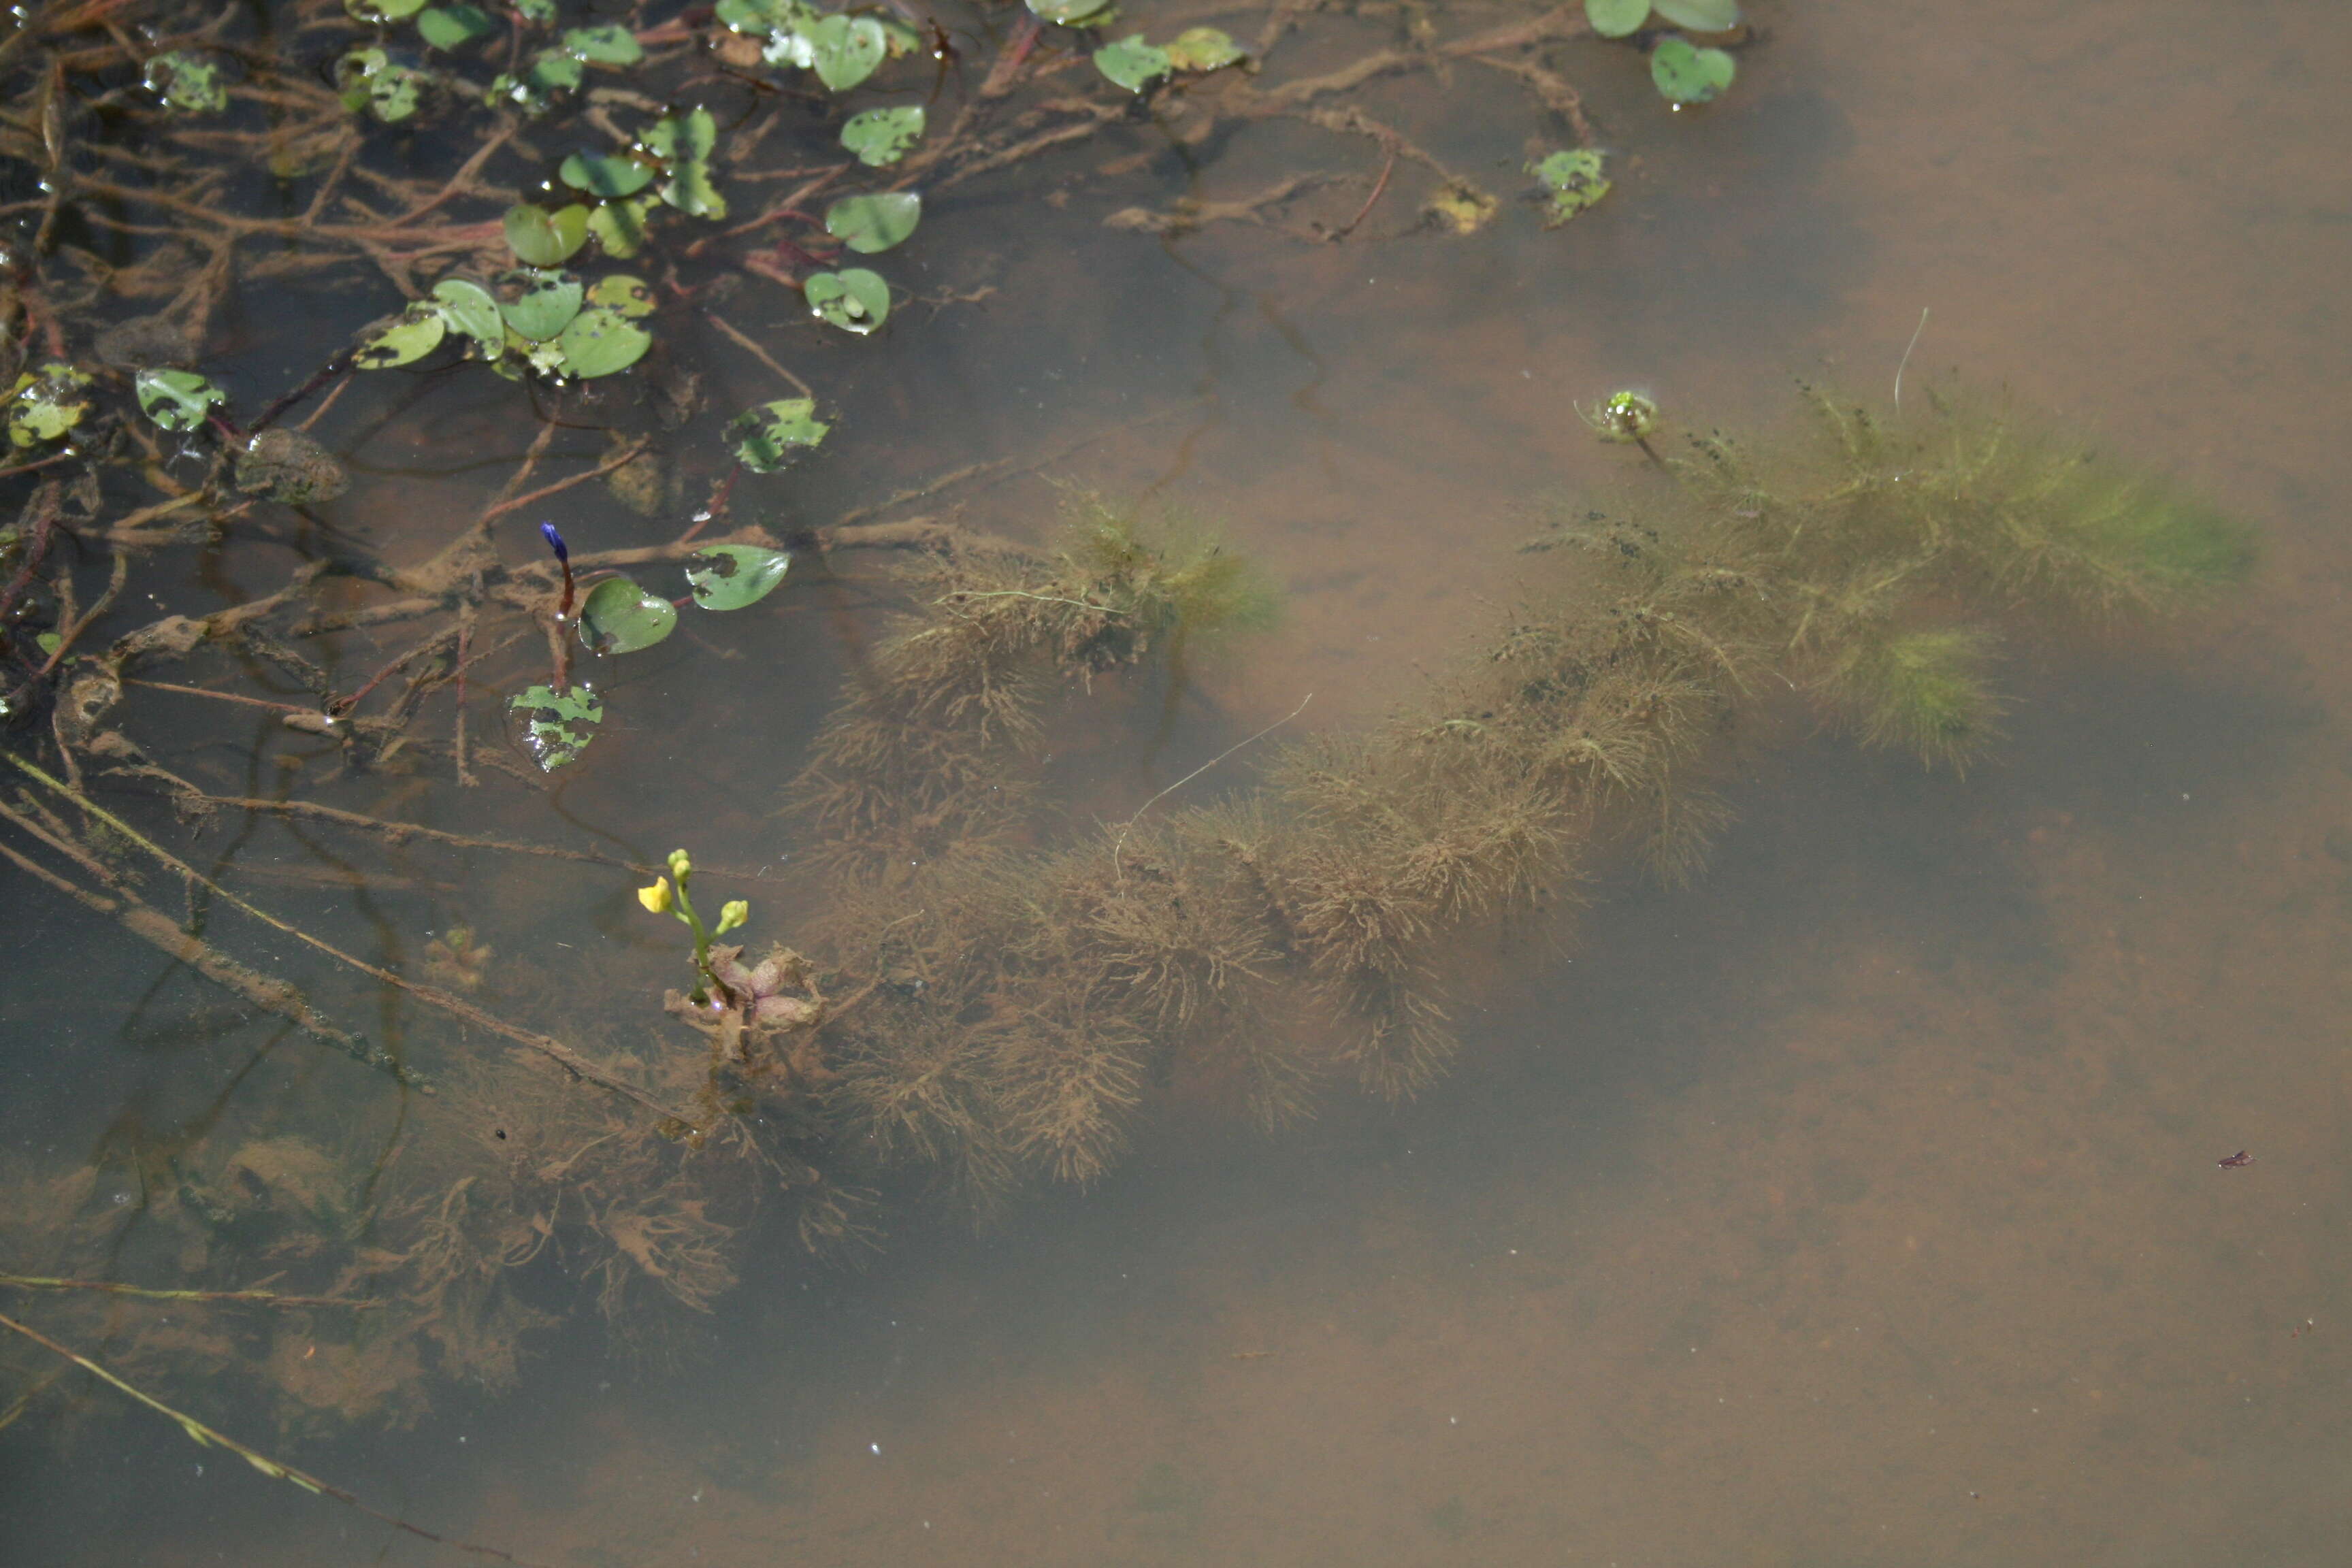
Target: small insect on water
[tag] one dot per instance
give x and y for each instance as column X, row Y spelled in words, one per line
column 2236, row 1160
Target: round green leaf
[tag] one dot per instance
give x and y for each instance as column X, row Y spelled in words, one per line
column 402, row 339
column 1204, row 49
column 470, row 311
column 187, row 83
column 622, row 295
column 618, row 616
column 770, row 436
column 544, row 307
column 730, row 576
column 620, row 227
column 453, row 26
column 868, row 224
column 1616, row 18
column 1700, row 15
column 600, row 340
column 1132, row 63
column 853, row 299
column 174, row 399
column 846, row 50
column 543, row 238
column 611, row 45
column 601, row 175
column 1687, row 74
column 557, row 725
column 1575, row 180
column 1068, row 12
column 880, row 136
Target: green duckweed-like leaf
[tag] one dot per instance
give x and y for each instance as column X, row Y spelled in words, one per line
column 601, row 175
column 1575, row 180
column 557, row 725
column 187, row 83
column 1067, row 13
column 43, row 407
column 870, row 225
column 620, row 227
column 846, row 50
column 772, row 436
column 730, row 576
column 453, row 27
column 1132, row 63
column 402, row 339
column 600, row 340
column 545, row 304
column 853, row 299
column 1616, row 18
column 550, row 71
column 611, row 45
column 1687, row 74
column 371, row 81
column 178, row 400
column 471, row 311
column 1204, row 49
column 880, row 136
column 543, row 238
column 1701, row 16
column 619, row 292
column 377, row 13
column 618, row 616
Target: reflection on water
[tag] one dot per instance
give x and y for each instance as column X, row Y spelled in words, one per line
column 1857, row 1205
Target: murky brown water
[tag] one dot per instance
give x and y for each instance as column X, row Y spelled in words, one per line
column 1857, row 1206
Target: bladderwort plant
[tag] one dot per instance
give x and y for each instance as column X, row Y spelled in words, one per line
column 665, row 896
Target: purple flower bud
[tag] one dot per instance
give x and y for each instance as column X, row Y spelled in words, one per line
column 555, row 542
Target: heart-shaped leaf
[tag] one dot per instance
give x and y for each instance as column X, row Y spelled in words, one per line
column 1687, row 74
column 174, row 399
column 1616, row 18
column 846, row 50
column 880, row 136
column 402, row 339
column 1132, row 63
column 770, row 436
column 730, row 576
column 853, row 299
column 868, row 224
column 600, row 340
column 618, row 616
column 601, row 175
column 543, row 238
column 544, row 307
column 557, row 725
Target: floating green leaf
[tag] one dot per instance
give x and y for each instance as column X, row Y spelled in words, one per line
column 1068, row 12
column 601, row 175
column 175, row 399
column 730, row 576
column 880, row 136
column 558, row 725
column 539, row 11
column 846, row 50
column 1616, row 18
column 1574, row 179
column 44, row 406
column 770, row 436
column 689, row 190
column 687, row 140
column 853, row 299
column 543, row 238
column 1701, row 16
column 376, row 13
column 368, row 79
column 49, row 643
column 1204, row 49
column 550, row 71
column 544, row 307
column 611, row 45
column 1132, row 63
column 402, row 339
column 1688, row 74
column 618, row 616
column 631, row 297
column 600, row 340
column 453, row 26
column 868, row 224
column 620, row 227
column 187, row 83
column 471, row 311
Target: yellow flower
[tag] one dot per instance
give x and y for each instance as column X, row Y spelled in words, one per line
column 656, row 897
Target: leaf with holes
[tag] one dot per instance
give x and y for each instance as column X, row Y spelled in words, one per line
column 176, row 399
column 1616, row 18
column 402, row 339
column 853, row 299
column 543, row 238
column 618, row 616
column 1687, row 74
column 544, row 306
column 772, row 436
column 622, row 295
column 558, row 725
column 868, row 224
column 1575, row 180
column 1133, row 63
column 846, row 50
column 880, row 136
column 730, row 576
